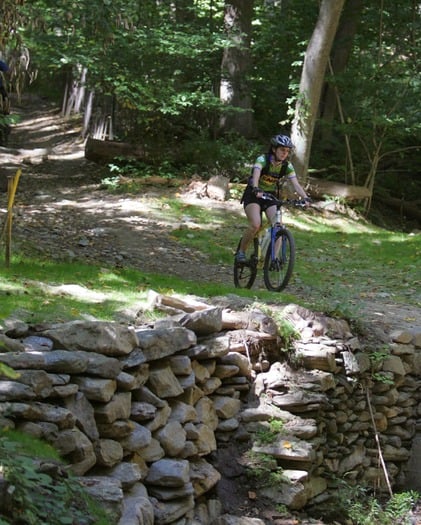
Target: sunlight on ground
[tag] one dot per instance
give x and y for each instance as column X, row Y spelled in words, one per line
column 67, row 156
column 76, row 291
column 321, row 224
column 37, row 123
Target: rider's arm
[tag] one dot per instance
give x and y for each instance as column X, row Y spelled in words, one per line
column 292, row 177
column 255, row 177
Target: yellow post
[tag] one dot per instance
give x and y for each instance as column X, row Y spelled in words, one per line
column 12, row 184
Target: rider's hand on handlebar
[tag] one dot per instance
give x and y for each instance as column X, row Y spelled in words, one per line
column 302, row 203
column 257, row 191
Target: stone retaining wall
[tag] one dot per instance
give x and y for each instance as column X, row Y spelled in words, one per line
column 140, row 413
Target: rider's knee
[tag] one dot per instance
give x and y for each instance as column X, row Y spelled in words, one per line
column 254, row 228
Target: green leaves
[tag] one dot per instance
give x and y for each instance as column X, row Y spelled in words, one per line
column 35, row 496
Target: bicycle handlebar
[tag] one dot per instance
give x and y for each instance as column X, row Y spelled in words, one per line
column 300, row 203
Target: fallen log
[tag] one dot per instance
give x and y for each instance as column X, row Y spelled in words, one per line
column 407, row 208
column 318, row 188
column 180, row 304
column 103, row 151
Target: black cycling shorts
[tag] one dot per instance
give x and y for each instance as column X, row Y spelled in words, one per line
column 249, row 197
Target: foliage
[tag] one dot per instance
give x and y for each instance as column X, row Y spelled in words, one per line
column 357, row 505
column 377, row 358
column 369, row 511
column 268, row 434
column 127, row 51
column 6, row 371
column 37, row 497
column 286, row 330
column 263, row 470
column 275, row 72
column 156, row 68
column 195, row 156
column 384, row 129
column 384, row 377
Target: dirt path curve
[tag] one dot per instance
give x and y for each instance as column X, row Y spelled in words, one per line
column 63, row 213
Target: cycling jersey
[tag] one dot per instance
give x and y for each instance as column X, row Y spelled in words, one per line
column 270, row 177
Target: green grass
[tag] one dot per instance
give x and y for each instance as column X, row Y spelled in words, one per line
column 25, row 443
column 347, row 265
column 38, row 291
column 340, row 262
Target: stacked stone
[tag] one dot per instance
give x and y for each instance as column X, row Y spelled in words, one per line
column 135, row 412
column 331, row 415
column 402, row 436
column 138, row 413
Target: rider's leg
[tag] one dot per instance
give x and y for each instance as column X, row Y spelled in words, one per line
column 270, row 214
column 254, row 217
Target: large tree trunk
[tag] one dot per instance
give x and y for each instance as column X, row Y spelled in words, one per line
column 234, row 89
column 341, row 52
column 311, row 82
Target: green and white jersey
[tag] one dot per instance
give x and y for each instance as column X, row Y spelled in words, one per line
column 271, row 177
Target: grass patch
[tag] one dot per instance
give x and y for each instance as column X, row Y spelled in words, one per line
column 343, row 262
column 40, row 291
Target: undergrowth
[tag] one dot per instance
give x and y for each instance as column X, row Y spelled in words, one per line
column 35, row 495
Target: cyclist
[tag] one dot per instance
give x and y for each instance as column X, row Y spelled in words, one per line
column 269, row 174
column 4, row 68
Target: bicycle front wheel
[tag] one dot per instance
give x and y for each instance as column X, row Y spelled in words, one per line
column 245, row 272
column 277, row 270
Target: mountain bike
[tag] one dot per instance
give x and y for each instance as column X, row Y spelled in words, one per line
column 274, row 247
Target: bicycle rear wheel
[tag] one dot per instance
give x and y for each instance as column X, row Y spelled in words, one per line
column 277, row 271
column 245, row 273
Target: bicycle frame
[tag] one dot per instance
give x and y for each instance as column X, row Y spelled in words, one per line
column 266, row 235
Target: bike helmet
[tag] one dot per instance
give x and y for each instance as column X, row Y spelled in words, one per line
column 281, row 140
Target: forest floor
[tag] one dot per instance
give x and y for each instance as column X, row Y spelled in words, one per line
column 63, row 209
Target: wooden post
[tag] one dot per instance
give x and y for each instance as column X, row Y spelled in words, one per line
column 12, row 184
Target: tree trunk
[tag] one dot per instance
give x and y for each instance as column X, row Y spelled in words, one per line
column 342, row 48
column 234, row 89
column 184, row 11
column 311, row 82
